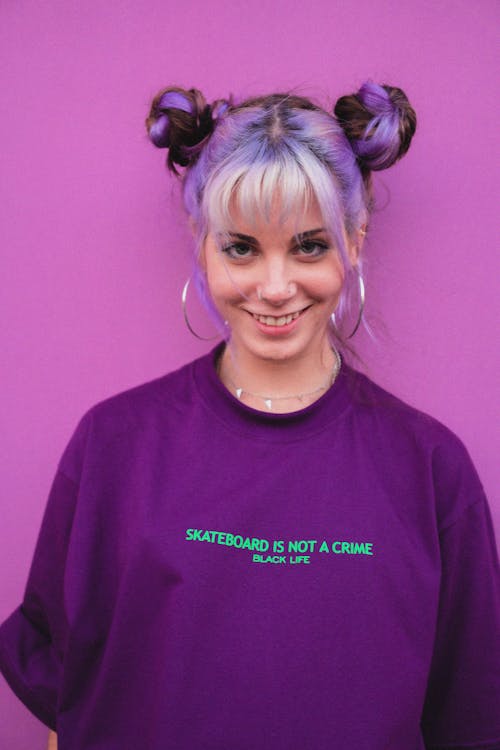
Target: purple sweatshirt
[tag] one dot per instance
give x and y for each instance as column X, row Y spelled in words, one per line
column 212, row 577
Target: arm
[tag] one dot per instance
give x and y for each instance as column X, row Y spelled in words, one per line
column 32, row 638
column 463, row 691
column 52, row 743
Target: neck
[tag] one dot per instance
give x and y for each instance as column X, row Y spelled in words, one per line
column 280, row 385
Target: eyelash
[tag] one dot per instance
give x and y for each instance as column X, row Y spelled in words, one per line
column 307, row 244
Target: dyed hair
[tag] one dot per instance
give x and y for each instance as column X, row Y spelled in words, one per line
column 241, row 154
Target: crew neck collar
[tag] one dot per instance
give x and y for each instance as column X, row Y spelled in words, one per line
column 269, row 426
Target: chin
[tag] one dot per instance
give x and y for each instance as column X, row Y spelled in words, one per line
column 272, row 351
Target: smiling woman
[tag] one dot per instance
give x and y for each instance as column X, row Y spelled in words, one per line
column 279, row 205
column 353, row 534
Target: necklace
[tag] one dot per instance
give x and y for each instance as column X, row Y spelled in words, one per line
column 268, row 400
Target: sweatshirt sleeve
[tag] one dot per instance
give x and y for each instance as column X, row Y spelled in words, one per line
column 462, row 706
column 32, row 638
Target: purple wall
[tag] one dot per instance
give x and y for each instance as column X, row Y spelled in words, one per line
column 95, row 251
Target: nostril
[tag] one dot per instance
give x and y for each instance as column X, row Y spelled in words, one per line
column 276, row 292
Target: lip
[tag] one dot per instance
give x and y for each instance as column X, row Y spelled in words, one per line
column 281, row 314
column 279, row 330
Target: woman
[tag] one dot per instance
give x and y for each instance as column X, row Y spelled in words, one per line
column 264, row 549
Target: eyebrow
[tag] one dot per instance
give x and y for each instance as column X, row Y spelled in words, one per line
column 299, row 236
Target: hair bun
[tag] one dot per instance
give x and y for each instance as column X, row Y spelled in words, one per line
column 379, row 122
column 180, row 120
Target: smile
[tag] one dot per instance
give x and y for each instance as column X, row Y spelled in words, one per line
column 283, row 320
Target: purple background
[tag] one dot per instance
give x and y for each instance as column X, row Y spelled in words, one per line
column 95, row 250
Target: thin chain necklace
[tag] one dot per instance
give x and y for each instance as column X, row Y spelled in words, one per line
column 268, row 400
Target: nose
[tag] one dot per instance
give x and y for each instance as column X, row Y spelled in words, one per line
column 276, row 287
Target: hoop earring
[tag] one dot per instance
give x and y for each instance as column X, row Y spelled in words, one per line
column 362, row 298
column 183, row 300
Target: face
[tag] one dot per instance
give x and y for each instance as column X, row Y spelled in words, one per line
column 276, row 284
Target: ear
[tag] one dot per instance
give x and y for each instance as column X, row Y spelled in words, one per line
column 192, row 226
column 202, row 258
column 356, row 243
column 194, row 231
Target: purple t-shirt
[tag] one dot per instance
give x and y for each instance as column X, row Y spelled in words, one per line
column 209, row 576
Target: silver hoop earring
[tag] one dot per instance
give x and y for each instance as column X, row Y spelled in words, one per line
column 183, row 300
column 362, row 297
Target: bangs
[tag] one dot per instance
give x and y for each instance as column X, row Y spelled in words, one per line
column 249, row 190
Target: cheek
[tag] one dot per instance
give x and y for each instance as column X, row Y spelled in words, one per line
column 225, row 290
column 329, row 282
column 229, row 285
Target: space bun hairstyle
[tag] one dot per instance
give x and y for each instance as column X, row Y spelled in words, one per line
column 241, row 154
column 379, row 123
column 181, row 121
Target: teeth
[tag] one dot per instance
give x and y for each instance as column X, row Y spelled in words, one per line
column 270, row 321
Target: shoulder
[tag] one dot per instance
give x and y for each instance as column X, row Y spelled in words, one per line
column 373, row 402
column 132, row 412
column 134, row 404
column 392, row 425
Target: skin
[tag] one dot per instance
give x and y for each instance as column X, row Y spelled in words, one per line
column 289, row 276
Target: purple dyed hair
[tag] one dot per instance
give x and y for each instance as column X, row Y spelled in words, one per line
column 247, row 151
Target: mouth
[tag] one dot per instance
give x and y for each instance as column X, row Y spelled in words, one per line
column 278, row 322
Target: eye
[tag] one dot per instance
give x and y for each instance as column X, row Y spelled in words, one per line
column 238, row 251
column 313, row 248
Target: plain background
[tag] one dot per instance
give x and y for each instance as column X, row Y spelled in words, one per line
column 95, row 249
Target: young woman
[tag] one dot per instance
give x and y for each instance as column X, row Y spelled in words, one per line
column 264, row 549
